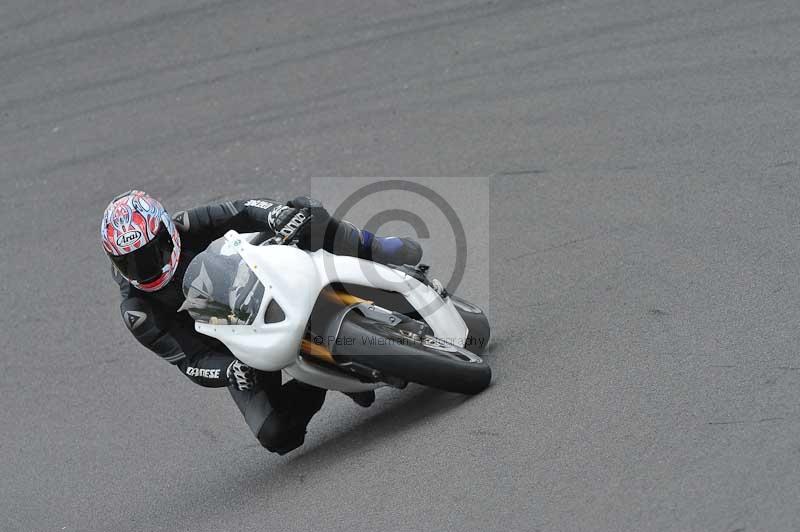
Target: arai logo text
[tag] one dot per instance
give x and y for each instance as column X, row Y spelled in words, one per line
column 129, row 238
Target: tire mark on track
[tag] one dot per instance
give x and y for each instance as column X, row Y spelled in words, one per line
column 152, row 19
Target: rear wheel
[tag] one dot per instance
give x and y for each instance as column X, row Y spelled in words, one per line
column 477, row 323
column 409, row 356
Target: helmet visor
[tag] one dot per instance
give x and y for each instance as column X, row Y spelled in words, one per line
column 147, row 262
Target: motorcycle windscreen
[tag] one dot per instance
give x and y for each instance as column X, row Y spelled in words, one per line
column 220, row 289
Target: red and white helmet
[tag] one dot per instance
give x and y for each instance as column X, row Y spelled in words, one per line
column 141, row 240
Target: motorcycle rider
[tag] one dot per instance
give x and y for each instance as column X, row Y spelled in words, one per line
column 150, row 252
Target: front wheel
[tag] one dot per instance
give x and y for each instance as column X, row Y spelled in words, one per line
column 411, row 357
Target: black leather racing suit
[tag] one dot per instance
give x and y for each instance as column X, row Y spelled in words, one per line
column 277, row 414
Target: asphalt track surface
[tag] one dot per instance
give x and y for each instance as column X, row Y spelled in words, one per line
column 643, row 240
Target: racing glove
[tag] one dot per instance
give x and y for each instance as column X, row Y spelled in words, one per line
column 315, row 209
column 312, row 235
column 241, row 376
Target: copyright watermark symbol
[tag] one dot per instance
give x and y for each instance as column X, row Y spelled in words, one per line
column 447, row 216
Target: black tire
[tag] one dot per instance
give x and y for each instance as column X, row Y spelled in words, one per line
column 427, row 360
column 477, row 323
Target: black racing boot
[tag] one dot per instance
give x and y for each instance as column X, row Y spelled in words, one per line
column 364, row 399
column 395, row 250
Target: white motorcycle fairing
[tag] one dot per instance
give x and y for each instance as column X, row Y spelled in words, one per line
column 294, row 278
